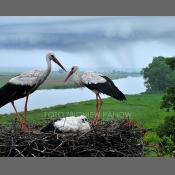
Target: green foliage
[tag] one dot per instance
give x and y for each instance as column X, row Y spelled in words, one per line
column 169, row 97
column 152, row 140
column 158, row 75
column 167, row 147
column 152, row 137
column 171, row 62
column 167, row 128
column 166, row 132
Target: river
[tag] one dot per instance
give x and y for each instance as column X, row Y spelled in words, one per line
column 52, row 97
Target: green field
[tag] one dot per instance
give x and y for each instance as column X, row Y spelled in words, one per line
column 143, row 108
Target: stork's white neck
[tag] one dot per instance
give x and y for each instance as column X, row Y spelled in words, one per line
column 49, row 66
column 77, row 77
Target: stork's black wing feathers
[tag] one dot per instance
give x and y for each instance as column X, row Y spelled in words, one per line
column 50, row 127
column 11, row 92
column 107, row 88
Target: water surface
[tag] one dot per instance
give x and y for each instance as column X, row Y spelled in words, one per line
column 52, row 97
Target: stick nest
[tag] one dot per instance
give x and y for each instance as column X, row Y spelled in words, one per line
column 111, row 139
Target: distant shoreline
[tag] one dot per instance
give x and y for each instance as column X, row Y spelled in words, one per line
column 55, row 79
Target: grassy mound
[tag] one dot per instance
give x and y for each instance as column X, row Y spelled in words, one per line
column 117, row 138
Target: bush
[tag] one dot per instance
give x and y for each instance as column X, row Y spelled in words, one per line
column 167, row 146
column 169, row 99
column 166, row 132
column 167, row 128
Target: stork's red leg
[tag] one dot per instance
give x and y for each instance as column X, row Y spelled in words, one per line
column 98, row 107
column 101, row 102
column 25, row 113
column 95, row 120
column 19, row 118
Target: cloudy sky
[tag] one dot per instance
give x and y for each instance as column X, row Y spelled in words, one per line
column 90, row 42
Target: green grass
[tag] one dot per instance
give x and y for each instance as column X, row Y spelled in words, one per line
column 143, row 108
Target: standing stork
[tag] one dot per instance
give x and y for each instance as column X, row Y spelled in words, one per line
column 23, row 85
column 97, row 83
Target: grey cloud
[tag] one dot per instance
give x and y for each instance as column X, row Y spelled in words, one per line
column 82, row 34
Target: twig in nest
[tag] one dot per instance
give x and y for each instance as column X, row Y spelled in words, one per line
column 110, row 139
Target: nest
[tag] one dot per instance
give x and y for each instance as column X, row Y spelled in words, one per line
column 110, row 139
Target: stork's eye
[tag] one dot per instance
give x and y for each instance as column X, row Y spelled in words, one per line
column 83, row 121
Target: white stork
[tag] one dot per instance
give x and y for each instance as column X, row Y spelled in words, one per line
column 97, row 83
column 23, row 85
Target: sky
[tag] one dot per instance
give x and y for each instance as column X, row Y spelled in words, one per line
column 91, row 42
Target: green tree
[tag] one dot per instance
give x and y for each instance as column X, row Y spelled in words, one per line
column 171, row 62
column 169, row 97
column 166, row 131
column 158, row 75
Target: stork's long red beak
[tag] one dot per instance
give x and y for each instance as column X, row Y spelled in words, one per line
column 59, row 64
column 68, row 76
